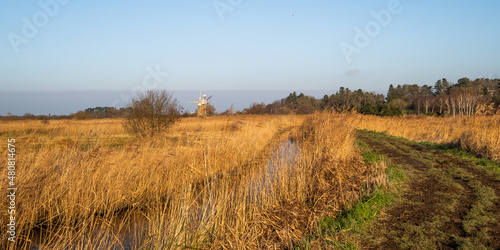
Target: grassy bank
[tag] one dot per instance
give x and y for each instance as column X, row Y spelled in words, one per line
column 344, row 230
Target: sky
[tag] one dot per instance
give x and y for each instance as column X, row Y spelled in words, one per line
column 62, row 56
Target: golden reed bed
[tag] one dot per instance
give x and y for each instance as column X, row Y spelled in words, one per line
column 206, row 183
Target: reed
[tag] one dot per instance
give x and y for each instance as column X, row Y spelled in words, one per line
column 206, row 183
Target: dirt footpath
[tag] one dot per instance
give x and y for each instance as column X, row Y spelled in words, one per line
column 446, row 203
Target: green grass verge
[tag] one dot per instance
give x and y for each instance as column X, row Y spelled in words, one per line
column 493, row 167
column 371, row 157
column 342, row 231
column 354, row 220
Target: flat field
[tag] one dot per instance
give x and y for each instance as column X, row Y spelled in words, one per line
column 208, row 183
column 220, row 182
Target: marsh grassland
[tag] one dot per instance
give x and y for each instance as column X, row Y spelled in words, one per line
column 231, row 182
column 206, row 183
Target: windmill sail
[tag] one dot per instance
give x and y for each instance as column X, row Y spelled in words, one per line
column 202, row 105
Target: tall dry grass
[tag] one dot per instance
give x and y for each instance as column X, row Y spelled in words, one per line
column 479, row 134
column 328, row 176
column 206, row 183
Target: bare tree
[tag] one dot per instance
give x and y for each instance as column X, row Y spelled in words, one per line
column 453, row 103
column 427, row 102
column 459, row 99
column 441, row 102
column 417, row 103
column 152, row 112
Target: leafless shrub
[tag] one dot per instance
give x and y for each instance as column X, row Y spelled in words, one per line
column 152, row 112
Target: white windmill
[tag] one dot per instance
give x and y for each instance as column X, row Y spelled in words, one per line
column 202, row 105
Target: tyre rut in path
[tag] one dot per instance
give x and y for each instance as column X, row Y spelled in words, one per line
column 446, row 203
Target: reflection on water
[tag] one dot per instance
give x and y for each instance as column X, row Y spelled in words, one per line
column 283, row 159
column 281, row 164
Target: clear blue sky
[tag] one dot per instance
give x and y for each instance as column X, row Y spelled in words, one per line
column 87, row 46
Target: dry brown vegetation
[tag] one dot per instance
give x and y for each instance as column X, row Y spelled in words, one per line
column 221, row 182
column 478, row 134
column 206, row 183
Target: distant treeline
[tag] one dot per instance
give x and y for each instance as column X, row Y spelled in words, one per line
column 466, row 97
column 89, row 113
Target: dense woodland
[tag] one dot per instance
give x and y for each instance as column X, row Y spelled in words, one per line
column 466, row 97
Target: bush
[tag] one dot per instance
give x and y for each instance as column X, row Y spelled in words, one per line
column 82, row 115
column 43, row 119
column 152, row 112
